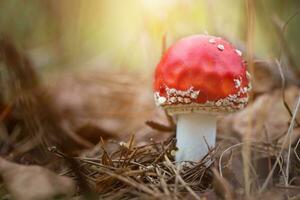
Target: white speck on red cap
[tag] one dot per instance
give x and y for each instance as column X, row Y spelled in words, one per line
column 238, row 52
column 212, row 41
column 220, row 47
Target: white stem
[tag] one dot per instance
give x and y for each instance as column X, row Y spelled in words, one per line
column 191, row 130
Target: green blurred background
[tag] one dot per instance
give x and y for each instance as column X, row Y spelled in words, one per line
column 60, row 34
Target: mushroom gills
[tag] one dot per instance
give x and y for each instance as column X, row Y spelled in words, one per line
column 196, row 134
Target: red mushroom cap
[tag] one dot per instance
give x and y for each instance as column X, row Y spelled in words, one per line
column 201, row 73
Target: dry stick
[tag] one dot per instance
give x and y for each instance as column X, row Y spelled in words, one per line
column 181, row 180
column 290, row 131
column 281, row 166
column 282, row 39
column 295, row 150
column 225, row 151
column 293, row 180
column 287, row 108
column 97, row 164
column 290, row 112
column 170, row 180
column 288, row 135
column 162, row 153
column 246, row 153
column 163, row 183
column 160, row 127
column 127, row 153
column 283, row 45
column 283, row 90
column 131, row 183
column 209, row 152
column 278, row 63
column 268, row 147
column 133, row 154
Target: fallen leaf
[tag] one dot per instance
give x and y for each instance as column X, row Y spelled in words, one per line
column 265, row 77
column 266, row 118
column 34, row 182
column 113, row 102
column 93, row 133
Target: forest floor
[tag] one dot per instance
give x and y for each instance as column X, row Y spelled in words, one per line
column 98, row 135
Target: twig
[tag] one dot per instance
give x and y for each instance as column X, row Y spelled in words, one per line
column 288, row 135
column 283, row 45
column 295, row 150
column 246, row 153
column 181, row 180
column 225, row 151
column 160, row 127
column 163, row 183
column 131, row 183
column 283, row 90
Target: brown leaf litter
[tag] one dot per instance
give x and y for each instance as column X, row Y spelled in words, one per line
column 34, row 182
column 267, row 117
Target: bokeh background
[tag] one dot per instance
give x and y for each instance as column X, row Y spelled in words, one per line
column 128, row 34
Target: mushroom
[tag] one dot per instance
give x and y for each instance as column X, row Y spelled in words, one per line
column 199, row 77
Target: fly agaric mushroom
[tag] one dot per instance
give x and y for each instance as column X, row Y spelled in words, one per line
column 196, row 79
